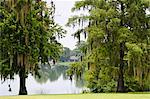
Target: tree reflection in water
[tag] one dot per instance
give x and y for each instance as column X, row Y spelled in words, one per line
column 53, row 80
column 52, row 73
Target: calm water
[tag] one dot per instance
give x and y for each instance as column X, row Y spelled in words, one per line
column 53, row 81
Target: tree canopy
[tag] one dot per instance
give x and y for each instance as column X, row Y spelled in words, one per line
column 27, row 37
column 117, row 50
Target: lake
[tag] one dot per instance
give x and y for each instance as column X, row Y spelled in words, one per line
column 53, row 80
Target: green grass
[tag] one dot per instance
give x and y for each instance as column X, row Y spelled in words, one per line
column 64, row 63
column 82, row 96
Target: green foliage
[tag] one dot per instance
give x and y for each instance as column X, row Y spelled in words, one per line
column 28, row 36
column 117, row 43
column 76, row 69
column 132, row 84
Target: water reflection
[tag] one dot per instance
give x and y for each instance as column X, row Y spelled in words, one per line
column 53, row 73
column 53, row 80
column 80, row 83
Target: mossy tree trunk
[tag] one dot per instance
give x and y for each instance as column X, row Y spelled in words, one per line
column 22, row 75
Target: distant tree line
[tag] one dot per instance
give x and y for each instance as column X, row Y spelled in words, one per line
column 72, row 55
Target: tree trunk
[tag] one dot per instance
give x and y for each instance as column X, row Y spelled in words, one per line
column 120, row 85
column 22, row 75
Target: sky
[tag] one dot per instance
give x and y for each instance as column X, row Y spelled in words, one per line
column 63, row 12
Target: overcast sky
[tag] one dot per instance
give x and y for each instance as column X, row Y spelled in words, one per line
column 63, row 12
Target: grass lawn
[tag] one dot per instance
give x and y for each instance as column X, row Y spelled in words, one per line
column 82, row 96
column 64, row 63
